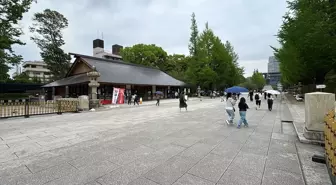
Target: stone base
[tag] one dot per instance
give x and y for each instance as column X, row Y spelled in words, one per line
column 94, row 104
column 313, row 135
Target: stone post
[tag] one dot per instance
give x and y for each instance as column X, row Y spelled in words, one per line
column 153, row 92
column 66, row 91
column 53, row 93
column 93, row 85
column 317, row 105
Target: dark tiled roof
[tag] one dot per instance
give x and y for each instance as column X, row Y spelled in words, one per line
column 120, row 72
column 77, row 79
column 125, row 73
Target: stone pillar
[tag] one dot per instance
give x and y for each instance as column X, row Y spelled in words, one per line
column 93, row 85
column 66, row 91
column 317, row 105
column 53, row 93
column 153, row 91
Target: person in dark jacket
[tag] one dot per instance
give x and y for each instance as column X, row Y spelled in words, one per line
column 270, row 102
column 183, row 103
column 242, row 112
column 251, row 95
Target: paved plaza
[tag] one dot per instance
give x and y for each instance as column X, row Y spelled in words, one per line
column 149, row 145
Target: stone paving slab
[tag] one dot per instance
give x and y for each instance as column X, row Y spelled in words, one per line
column 155, row 146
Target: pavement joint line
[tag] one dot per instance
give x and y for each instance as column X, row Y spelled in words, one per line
column 28, row 169
column 302, row 172
column 269, row 144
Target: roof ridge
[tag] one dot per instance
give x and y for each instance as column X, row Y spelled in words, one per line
column 114, row 61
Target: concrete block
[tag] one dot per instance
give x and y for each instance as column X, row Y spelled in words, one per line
column 317, row 105
column 284, row 161
column 188, row 179
column 211, row 167
column 170, row 171
column 142, row 181
column 237, row 177
column 118, row 176
column 279, row 177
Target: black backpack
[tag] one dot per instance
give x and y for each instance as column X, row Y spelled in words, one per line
column 256, row 96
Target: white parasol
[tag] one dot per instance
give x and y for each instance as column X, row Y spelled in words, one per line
column 273, row 92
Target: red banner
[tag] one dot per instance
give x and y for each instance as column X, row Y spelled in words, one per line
column 121, row 97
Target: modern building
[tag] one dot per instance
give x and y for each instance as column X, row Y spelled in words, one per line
column 273, row 65
column 273, row 76
column 37, row 69
column 143, row 80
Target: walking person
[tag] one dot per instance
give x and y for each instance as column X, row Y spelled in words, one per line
column 265, row 95
column 230, row 103
column 257, row 99
column 136, row 99
column 251, row 95
column 129, row 99
column 270, row 102
column 242, row 112
column 183, row 103
column 158, row 100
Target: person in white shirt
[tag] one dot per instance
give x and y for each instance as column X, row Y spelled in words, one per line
column 230, row 103
column 257, row 98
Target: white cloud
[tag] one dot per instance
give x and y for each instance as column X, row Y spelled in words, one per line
column 249, row 25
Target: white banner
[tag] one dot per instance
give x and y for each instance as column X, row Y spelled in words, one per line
column 115, row 95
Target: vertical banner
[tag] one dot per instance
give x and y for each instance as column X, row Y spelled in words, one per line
column 115, row 95
column 121, row 97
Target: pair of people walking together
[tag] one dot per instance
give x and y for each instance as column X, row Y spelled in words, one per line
column 230, row 103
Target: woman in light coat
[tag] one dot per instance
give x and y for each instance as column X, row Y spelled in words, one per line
column 230, row 103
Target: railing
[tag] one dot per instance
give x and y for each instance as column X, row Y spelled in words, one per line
column 26, row 108
column 330, row 144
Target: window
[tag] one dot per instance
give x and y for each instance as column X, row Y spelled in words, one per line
column 33, row 66
column 46, row 73
column 36, row 73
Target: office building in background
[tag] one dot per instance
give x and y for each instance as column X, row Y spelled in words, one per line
column 273, row 76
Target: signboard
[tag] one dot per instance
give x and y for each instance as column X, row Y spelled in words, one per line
column 279, row 86
column 115, row 95
column 322, row 86
column 118, row 96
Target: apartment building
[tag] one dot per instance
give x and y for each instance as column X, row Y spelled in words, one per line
column 37, row 69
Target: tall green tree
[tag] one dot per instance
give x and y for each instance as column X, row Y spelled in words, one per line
column 178, row 65
column 11, row 13
column 48, row 27
column 215, row 65
column 193, row 36
column 307, row 39
column 258, row 79
column 146, row 54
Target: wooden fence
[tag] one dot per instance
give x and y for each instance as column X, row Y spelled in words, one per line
column 26, row 108
column 330, row 144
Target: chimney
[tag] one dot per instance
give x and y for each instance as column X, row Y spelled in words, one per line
column 116, row 49
column 98, row 47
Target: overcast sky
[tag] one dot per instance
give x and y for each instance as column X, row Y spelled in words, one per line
column 249, row 25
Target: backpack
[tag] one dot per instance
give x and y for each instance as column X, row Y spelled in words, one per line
column 256, row 96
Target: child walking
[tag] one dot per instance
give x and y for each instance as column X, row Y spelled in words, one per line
column 242, row 112
column 230, row 102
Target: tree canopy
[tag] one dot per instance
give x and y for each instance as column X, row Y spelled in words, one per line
column 11, row 13
column 307, row 39
column 47, row 27
column 211, row 63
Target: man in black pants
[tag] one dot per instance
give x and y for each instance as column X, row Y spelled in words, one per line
column 158, row 100
column 251, row 95
column 258, row 101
